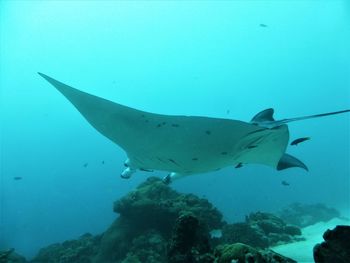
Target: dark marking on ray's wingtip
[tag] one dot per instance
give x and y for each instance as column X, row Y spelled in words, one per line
column 208, row 132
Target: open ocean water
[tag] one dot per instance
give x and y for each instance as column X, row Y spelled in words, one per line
column 225, row 59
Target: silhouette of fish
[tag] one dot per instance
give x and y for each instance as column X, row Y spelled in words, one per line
column 285, row 183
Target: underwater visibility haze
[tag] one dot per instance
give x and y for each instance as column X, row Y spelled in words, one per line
column 226, row 61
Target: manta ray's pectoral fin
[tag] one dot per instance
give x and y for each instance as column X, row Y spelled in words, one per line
column 288, row 161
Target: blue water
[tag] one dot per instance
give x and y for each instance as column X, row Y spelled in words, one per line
column 193, row 58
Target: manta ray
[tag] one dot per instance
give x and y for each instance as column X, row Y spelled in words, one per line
column 186, row 145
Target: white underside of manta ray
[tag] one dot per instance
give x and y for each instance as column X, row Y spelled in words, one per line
column 185, row 145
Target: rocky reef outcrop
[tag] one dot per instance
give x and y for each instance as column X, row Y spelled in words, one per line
column 335, row 248
column 157, row 224
column 152, row 206
column 241, row 253
column 10, row 256
column 81, row 250
column 303, row 215
column 261, row 230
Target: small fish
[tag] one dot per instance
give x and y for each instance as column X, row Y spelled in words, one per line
column 299, row 140
column 17, row 178
column 228, row 112
column 103, row 162
column 239, row 165
column 85, row 165
column 285, row 183
column 262, row 25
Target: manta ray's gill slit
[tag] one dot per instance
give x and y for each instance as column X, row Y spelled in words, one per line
column 159, row 159
column 249, row 133
column 138, row 160
column 175, row 125
column 171, row 160
column 194, row 159
column 223, row 153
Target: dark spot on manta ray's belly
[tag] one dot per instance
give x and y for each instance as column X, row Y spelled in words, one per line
column 194, row 159
column 175, row 125
column 163, row 123
column 208, row 132
column 252, row 146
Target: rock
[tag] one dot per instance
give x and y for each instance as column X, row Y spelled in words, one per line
column 152, row 206
column 81, row 250
column 261, row 230
column 149, row 247
column 159, row 206
column 244, row 233
column 189, row 241
column 336, row 247
column 303, row 215
column 10, row 256
column 241, row 253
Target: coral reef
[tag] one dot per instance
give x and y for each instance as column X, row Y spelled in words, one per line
column 10, row 256
column 152, row 206
column 303, row 215
column 241, row 253
column 74, row 251
column 261, row 230
column 157, row 224
column 189, row 241
column 336, row 247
